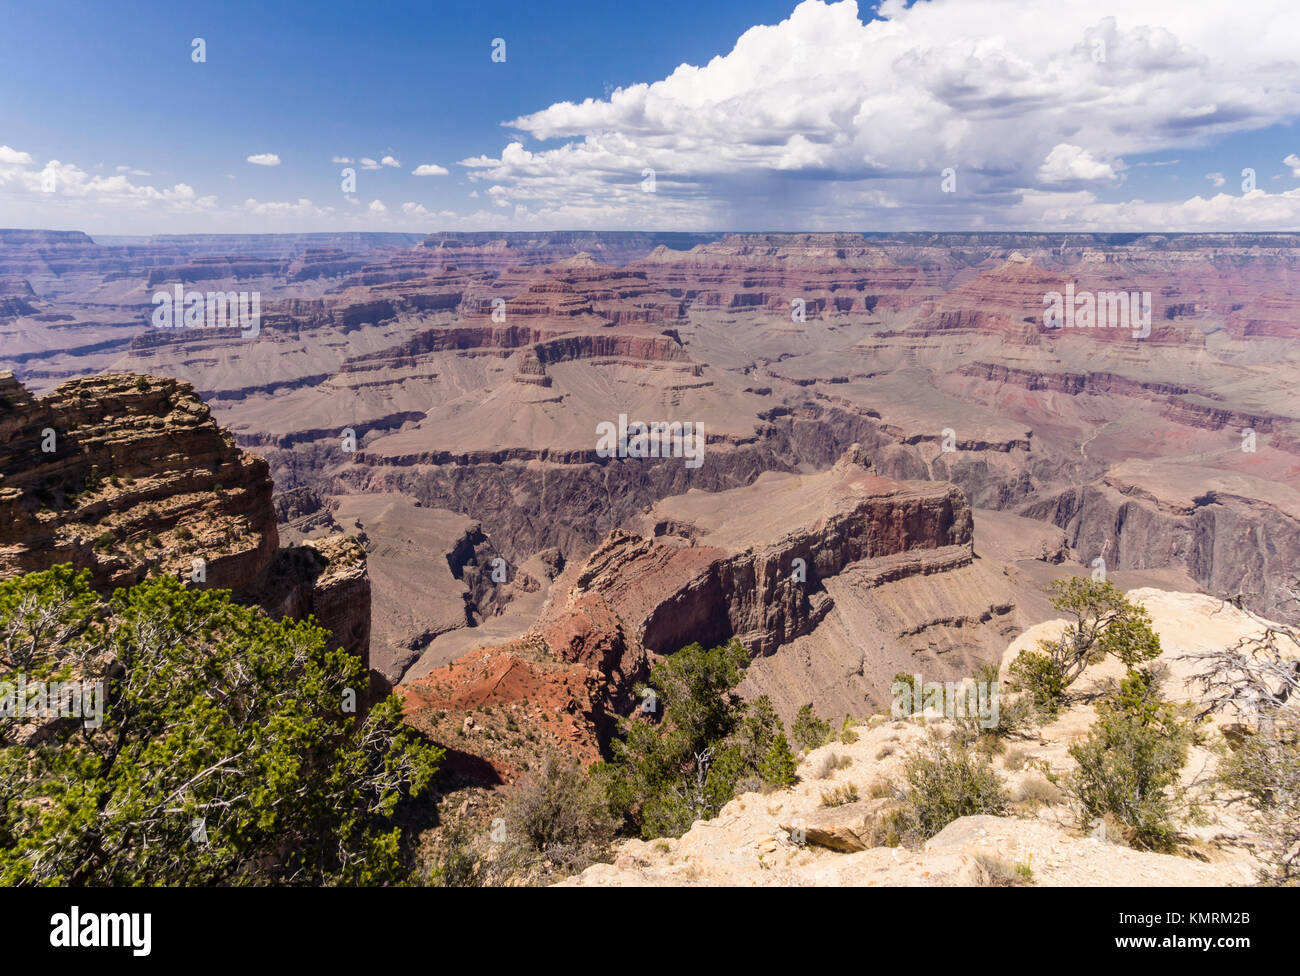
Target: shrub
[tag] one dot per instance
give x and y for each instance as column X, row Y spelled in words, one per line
column 1037, row 791
column 779, row 765
column 212, row 713
column 455, row 863
column 1042, row 678
column 756, row 741
column 1004, row 718
column 1133, row 754
column 944, row 784
column 663, row 777
column 831, row 763
column 887, row 828
column 1015, row 760
column 988, row 744
column 847, row 734
column 808, row 730
column 880, row 788
column 914, row 694
column 998, row 873
column 557, row 821
column 840, row 795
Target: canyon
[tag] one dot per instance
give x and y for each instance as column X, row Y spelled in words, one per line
column 887, row 409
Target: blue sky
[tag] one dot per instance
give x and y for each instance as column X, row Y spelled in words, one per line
column 1049, row 114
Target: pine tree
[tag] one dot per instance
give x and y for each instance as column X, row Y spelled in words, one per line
column 225, row 748
column 779, row 765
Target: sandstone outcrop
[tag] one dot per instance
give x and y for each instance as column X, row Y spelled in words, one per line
column 122, row 474
column 127, row 476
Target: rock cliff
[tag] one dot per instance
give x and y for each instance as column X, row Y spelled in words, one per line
column 127, row 476
column 752, row 563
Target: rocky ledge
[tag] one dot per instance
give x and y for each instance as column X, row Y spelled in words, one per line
column 804, row 835
column 127, row 476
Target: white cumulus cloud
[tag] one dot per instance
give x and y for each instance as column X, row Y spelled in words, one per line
column 846, row 116
column 302, row 207
column 1073, row 164
column 420, row 210
column 12, row 157
column 825, row 119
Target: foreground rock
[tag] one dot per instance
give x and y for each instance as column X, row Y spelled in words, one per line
column 559, row 689
column 751, row 842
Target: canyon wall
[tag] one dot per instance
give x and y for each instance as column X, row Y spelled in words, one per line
column 128, row 476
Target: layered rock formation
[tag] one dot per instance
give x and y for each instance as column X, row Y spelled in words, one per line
column 786, row 559
column 750, row 563
column 927, row 349
column 122, row 474
column 127, row 476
